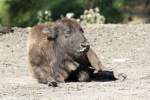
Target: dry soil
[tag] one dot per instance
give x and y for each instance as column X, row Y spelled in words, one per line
column 123, row 48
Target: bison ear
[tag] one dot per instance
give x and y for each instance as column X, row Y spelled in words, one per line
column 51, row 34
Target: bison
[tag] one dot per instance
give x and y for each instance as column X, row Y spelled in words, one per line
column 59, row 51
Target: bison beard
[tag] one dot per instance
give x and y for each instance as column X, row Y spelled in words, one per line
column 59, row 52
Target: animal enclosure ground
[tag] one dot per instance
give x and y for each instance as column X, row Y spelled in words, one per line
column 123, row 48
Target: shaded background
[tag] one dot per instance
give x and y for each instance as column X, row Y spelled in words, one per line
column 24, row 12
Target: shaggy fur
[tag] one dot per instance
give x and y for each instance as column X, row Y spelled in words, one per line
column 58, row 52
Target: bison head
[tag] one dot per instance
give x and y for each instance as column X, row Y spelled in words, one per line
column 68, row 36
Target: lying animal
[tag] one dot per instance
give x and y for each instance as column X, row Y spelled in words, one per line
column 59, row 51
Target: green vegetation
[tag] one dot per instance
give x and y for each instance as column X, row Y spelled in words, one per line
column 29, row 12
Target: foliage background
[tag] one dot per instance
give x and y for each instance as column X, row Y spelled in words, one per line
column 24, row 12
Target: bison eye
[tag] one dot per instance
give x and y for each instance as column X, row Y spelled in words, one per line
column 67, row 32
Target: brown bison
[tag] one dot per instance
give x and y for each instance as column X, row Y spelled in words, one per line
column 58, row 52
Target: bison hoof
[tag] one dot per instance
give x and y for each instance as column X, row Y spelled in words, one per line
column 121, row 76
column 52, row 84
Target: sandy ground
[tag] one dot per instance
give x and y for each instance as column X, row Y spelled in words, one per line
column 123, row 48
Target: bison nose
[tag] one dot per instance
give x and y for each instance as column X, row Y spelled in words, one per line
column 85, row 44
column 84, row 47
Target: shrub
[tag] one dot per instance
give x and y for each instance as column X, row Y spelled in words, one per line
column 44, row 16
column 92, row 16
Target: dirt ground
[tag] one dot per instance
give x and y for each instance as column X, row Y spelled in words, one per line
column 123, row 48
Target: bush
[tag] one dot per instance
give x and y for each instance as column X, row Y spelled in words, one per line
column 92, row 16
column 44, row 16
column 29, row 12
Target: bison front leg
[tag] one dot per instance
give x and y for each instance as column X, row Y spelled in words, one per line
column 96, row 64
column 77, row 73
column 58, row 73
column 59, row 76
column 52, row 82
column 94, row 60
column 71, row 66
column 43, row 75
column 83, row 76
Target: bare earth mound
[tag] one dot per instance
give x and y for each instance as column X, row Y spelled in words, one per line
column 123, row 48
